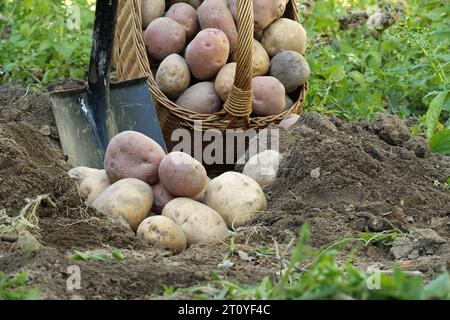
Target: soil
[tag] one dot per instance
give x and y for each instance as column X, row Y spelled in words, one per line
column 341, row 178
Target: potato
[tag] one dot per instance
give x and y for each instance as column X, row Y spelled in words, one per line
column 288, row 103
column 163, row 37
column 78, row 174
column 260, row 59
column 199, row 223
column 263, row 167
column 193, row 3
column 289, row 121
column 181, row 175
column 150, row 10
column 161, row 197
column 173, row 76
column 200, row 98
column 224, row 80
column 284, row 35
column 236, row 197
column 215, row 14
column 129, row 198
column 131, row 154
column 207, row 53
column 90, row 182
column 185, row 15
column 291, row 68
column 199, row 197
column 264, row 12
column 268, row 96
column 162, row 232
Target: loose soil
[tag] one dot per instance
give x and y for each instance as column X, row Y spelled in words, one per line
column 340, row 178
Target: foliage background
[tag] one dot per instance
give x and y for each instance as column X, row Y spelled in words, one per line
column 355, row 71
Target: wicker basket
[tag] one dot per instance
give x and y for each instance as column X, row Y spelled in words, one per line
column 131, row 61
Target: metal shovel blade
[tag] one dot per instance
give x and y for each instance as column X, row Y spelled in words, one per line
column 130, row 108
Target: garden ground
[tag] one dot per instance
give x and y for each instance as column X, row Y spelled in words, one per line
column 368, row 189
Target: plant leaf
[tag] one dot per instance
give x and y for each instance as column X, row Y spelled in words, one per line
column 118, row 255
column 439, row 288
column 440, row 142
column 434, row 112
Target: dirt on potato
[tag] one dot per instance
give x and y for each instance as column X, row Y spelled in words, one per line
column 340, row 178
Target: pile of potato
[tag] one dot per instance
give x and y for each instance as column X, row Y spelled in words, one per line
column 192, row 49
column 167, row 199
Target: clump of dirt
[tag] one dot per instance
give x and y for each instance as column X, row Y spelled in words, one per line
column 348, row 177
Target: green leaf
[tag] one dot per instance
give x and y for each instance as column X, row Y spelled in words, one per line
column 118, row 255
column 440, row 142
column 100, row 256
column 77, row 73
column 65, row 50
column 374, row 60
column 44, row 45
column 358, row 77
column 439, row 288
column 434, row 112
column 79, row 255
column 336, row 73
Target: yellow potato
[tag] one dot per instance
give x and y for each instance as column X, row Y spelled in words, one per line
column 263, row 167
column 150, row 10
column 199, row 223
column 173, row 76
column 129, row 198
column 236, row 197
column 224, row 80
column 283, row 35
column 163, row 232
column 90, row 182
column 260, row 59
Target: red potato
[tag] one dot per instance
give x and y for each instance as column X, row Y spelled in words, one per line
column 215, row 14
column 207, row 53
column 200, row 98
column 131, row 154
column 163, row 37
column 181, row 175
column 161, row 197
column 264, row 12
column 150, row 10
column 289, row 121
column 268, row 96
column 199, row 197
column 185, row 15
column 193, row 3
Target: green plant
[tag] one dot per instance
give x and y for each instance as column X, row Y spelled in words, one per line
column 324, row 278
column 85, row 256
column 357, row 71
column 46, row 40
column 16, row 287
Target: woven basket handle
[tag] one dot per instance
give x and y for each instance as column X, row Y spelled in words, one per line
column 239, row 102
